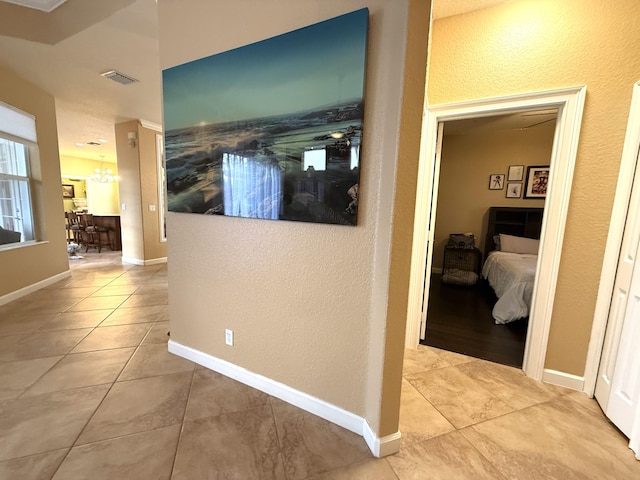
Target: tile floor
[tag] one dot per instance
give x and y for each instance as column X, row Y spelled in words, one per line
column 89, row 391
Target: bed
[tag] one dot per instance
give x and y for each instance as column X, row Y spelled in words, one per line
column 511, row 275
column 511, row 247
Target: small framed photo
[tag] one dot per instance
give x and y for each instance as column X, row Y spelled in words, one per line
column 514, row 190
column 496, row 181
column 537, row 181
column 68, row 191
column 516, row 173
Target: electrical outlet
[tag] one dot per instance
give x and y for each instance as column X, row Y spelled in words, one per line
column 228, row 337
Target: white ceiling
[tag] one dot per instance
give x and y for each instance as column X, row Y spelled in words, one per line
column 88, row 105
column 64, row 52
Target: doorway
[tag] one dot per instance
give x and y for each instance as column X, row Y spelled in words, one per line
column 569, row 103
column 484, row 168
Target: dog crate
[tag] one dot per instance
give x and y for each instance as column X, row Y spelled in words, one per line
column 461, row 266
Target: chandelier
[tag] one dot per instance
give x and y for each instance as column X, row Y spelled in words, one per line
column 103, row 175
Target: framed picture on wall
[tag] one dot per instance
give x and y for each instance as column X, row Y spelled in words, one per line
column 68, row 191
column 248, row 134
column 537, row 180
column 496, row 181
column 516, row 173
column 514, row 190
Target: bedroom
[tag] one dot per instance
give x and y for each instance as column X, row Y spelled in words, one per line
column 459, row 317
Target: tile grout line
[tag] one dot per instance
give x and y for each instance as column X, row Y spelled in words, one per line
column 395, row 474
column 184, row 415
column 458, row 429
column 496, row 467
column 62, row 357
column 90, row 417
column 278, row 439
column 479, row 385
column 36, row 454
column 74, row 444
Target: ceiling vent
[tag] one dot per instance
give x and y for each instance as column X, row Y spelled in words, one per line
column 119, row 77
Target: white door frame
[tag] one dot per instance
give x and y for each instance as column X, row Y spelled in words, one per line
column 614, row 241
column 570, row 104
column 430, row 223
column 161, row 168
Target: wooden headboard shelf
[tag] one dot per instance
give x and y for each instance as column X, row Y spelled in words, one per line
column 519, row 221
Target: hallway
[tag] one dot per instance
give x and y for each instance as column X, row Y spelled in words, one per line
column 88, row 390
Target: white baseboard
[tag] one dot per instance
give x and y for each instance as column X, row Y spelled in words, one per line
column 352, row 422
column 10, row 297
column 156, row 261
column 381, row 447
column 137, row 261
column 563, row 379
column 133, row 261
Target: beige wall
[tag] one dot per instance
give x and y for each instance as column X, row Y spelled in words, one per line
column 403, row 213
column 139, row 189
column 153, row 247
column 130, row 192
column 102, row 198
column 79, row 190
column 308, row 302
column 464, row 197
column 31, row 264
column 526, row 45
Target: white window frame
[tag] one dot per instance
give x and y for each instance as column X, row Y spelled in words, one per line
column 19, row 127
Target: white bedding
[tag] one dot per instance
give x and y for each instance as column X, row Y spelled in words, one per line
column 511, row 276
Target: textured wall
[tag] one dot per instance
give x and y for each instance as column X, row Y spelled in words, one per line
column 130, row 192
column 403, row 213
column 464, row 197
column 139, row 189
column 153, row 247
column 526, row 45
column 29, row 265
column 308, row 302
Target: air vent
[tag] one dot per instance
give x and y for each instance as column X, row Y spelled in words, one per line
column 119, row 77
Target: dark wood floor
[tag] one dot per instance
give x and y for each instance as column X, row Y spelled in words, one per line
column 459, row 320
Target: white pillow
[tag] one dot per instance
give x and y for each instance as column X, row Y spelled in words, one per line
column 509, row 243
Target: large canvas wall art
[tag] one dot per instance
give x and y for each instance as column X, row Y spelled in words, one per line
column 270, row 130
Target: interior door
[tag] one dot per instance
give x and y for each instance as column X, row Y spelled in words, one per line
column 618, row 385
column 431, row 222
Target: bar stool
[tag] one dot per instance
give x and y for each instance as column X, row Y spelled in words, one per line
column 74, row 228
column 93, row 233
column 67, row 226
